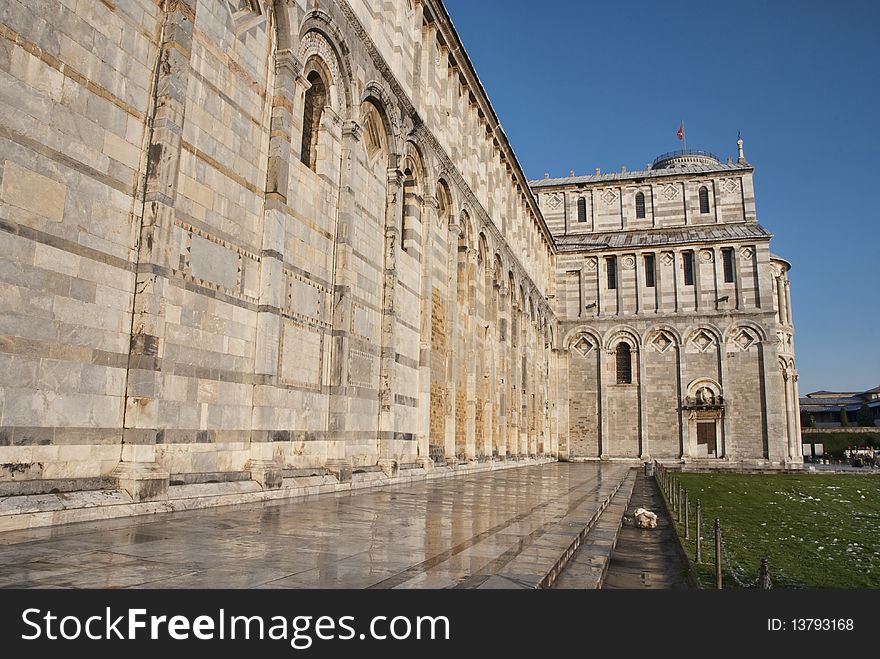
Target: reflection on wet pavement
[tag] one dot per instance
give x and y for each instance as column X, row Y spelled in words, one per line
column 434, row 534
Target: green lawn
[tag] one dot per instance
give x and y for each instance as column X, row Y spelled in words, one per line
column 819, row 531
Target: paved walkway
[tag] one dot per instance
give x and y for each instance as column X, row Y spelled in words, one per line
column 437, row 534
column 646, row 558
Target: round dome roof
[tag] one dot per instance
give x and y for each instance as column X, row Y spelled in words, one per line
column 686, row 158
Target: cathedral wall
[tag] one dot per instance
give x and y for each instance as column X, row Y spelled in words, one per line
column 75, row 92
column 269, row 237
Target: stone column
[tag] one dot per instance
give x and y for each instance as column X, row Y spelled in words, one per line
column 788, row 317
column 138, row 473
column 471, row 342
column 563, row 365
column 429, row 216
column 523, row 382
column 534, row 389
column 685, row 418
column 515, row 388
column 262, row 465
column 644, row 449
column 502, row 377
column 721, row 445
column 780, row 300
column 339, row 405
column 773, row 394
column 797, row 454
column 387, row 370
column 554, row 402
column 786, row 390
column 491, row 368
column 453, row 313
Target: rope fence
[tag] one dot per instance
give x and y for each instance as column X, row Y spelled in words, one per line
column 679, row 504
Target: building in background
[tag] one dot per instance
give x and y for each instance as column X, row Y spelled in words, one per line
column 833, row 409
column 674, row 316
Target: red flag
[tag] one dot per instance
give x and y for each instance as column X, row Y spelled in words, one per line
column 681, row 131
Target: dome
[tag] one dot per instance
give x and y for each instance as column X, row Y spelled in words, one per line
column 687, row 158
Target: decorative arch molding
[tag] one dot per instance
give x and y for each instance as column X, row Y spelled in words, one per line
column 786, row 366
column 704, row 398
column 316, row 53
column 443, row 187
column 622, row 334
column 500, row 273
column 703, row 382
column 466, row 230
column 414, row 162
column 320, row 22
column 486, row 236
column 378, row 94
column 754, row 334
column 662, row 338
column 417, row 147
column 703, row 337
column 582, row 341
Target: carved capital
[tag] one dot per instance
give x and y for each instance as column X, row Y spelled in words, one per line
column 286, row 63
column 353, row 130
column 395, row 178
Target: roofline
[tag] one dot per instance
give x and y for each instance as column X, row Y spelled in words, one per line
column 776, row 257
column 460, row 54
column 564, row 247
column 687, row 172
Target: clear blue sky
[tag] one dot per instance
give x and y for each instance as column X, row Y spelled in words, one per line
column 580, row 84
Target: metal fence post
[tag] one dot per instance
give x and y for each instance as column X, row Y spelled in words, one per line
column 699, row 556
column 717, row 553
column 687, row 516
column 764, row 575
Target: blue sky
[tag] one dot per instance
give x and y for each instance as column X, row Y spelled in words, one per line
column 580, row 85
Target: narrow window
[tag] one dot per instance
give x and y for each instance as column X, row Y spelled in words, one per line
column 582, row 209
column 649, row 270
column 313, row 108
column 624, row 364
column 640, row 205
column 727, row 257
column 688, row 260
column 704, row 200
column 611, row 266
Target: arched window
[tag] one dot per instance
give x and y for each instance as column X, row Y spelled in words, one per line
column 582, row 209
column 316, row 99
column 640, row 205
column 624, row 363
column 704, row 200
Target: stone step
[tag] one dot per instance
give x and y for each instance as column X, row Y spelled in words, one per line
column 543, row 557
column 587, row 568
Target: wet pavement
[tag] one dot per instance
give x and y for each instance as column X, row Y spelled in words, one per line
column 437, row 534
column 646, row 558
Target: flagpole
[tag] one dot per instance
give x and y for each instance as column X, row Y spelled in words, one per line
column 684, row 135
